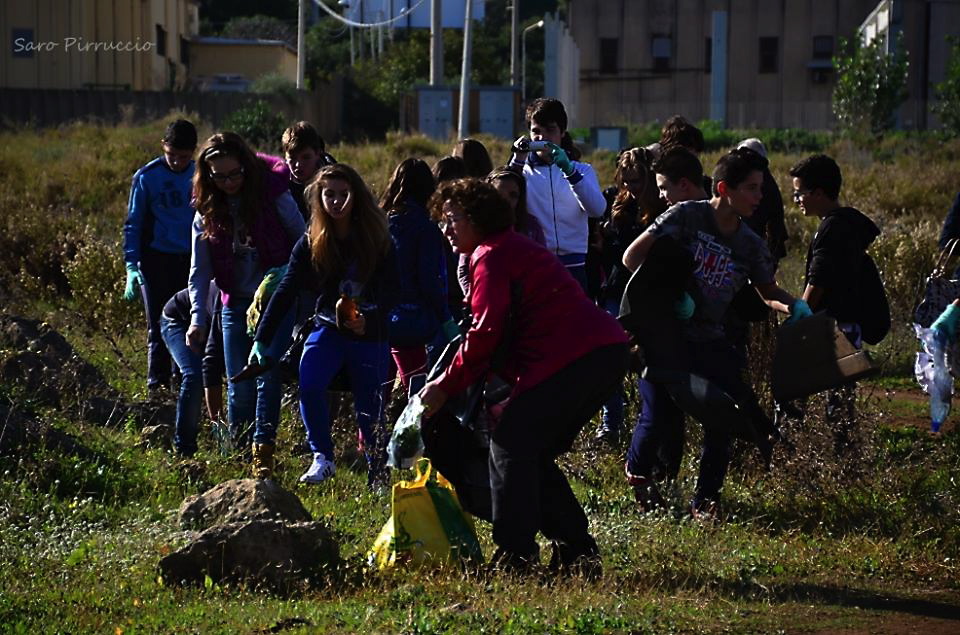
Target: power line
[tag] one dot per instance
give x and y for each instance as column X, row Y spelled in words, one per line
column 349, row 22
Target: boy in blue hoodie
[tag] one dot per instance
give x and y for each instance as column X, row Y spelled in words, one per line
column 156, row 238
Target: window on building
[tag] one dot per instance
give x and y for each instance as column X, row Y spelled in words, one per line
column 769, row 53
column 708, row 56
column 661, row 49
column 161, row 41
column 22, row 42
column 184, row 51
column 822, row 47
column 608, row 54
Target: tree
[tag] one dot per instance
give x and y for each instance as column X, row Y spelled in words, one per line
column 948, row 92
column 871, row 85
column 262, row 27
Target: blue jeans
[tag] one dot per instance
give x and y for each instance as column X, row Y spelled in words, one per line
column 253, row 403
column 190, row 400
column 368, row 363
column 612, row 413
column 717, row 361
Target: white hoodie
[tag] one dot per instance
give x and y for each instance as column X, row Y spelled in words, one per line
column 562, row 205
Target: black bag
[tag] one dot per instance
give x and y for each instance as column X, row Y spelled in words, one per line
column 289, row 363
column 412, row 325
column 874, row 319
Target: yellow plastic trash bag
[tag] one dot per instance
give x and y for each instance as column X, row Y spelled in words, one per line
column 271, row 280
column 427, row 525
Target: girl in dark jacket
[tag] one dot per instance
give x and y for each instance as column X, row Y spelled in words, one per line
column 348, row 259
column 422, row 301
column 245, row 227
column 636, row 204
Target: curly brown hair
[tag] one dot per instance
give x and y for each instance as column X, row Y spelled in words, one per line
column 210, row 201
column 369, row 238
column 626, row 207
column 480, row 202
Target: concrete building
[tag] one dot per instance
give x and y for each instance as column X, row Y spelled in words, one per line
column 74, row 44
column 925, row 26
column 218, row 63
column 644, row 60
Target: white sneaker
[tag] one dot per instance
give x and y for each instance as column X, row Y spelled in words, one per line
column 320, row 470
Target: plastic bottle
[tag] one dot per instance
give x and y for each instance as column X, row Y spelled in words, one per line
column 941, row 384
column 346, row 309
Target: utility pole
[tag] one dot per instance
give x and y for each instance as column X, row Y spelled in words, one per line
column 514, row 25
column 380, row 35
column 465, row 71
column 436, row 43
column 301, row 44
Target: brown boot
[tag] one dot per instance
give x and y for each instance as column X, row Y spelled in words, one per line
column 263, row 460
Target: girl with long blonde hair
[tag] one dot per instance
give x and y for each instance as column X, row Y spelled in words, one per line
column 348, row 259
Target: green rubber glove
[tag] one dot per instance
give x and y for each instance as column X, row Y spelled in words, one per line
column 450, row 329
column 134, row 282
column 945, row 326
column 684, row 307
column 561, row 160
column 798, row 310
column 258, row 354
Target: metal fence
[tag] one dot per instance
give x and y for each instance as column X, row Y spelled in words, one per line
column 49, row 107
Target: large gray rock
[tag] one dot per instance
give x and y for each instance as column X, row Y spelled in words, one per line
column 240, row 500
column 266, row 553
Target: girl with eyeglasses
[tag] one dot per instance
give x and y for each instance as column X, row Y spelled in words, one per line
column 245, row 227
column 347, row 257
column 512, row 186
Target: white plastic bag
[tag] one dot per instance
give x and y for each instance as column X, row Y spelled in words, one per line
column 932, row 371
column 406, row 443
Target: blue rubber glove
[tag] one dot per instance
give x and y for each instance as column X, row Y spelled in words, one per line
column 798, row 310
column 450, row 329
column 134, row 282
column 945, row 326
column 684, row 307
column 258, row 354
column 561, row 160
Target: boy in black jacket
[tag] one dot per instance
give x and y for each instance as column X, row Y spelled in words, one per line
column 834, row 261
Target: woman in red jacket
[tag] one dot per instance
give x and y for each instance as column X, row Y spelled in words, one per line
column 562, row 355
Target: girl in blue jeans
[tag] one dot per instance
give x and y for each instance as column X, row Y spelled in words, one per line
column 246, row 225
column 347, row 257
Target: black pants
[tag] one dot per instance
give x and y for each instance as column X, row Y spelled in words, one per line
column 163, row 276
column 529, row 491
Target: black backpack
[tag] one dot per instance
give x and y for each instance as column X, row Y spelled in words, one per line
column 874, row 318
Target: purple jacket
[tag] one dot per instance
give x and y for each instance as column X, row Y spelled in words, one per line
column 267, row 233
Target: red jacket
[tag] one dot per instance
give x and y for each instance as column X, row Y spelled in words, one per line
column 554, row 325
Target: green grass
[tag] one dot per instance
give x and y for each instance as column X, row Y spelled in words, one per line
column 820, row 542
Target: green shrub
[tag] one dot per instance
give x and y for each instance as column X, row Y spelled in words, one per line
column 259, row 124
column 96, row 277
column 948, row 91
column 871, row 85
column 274, row 84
